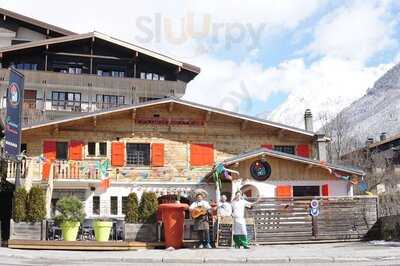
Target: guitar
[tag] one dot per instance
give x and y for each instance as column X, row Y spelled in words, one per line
column 199, row 211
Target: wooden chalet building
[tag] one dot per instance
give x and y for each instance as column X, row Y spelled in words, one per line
column 169, row 146
column 68, row 73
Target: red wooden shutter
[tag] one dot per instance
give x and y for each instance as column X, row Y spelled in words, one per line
column 201, row 154
column 325, row 190
column 303, row 150
column 75, row 150
column 284, row 191
column 49, row 149
column 157, row 154
column 117, row 154
column 49, row 153
column 268, row 146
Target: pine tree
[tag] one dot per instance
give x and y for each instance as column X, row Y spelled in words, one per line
column 148, row 208
column 132, row 211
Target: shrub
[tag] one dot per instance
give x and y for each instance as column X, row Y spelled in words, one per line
column 70, row 209
column 20, row 201
column 148, row 208
column 36, row 209
column 132, row 211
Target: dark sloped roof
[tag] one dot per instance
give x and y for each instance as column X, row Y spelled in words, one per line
column 107, row 38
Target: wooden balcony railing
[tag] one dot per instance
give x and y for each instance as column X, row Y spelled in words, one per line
column 100, row 84
column 33, row 168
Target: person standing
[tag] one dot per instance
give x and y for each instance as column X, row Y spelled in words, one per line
column 224, row 208
column 199, row 210
column 239, row 222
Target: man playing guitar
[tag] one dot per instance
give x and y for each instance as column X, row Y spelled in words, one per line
column 199, row 212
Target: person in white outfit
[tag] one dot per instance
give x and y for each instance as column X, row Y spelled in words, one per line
column 224, row 207
column 239, row 222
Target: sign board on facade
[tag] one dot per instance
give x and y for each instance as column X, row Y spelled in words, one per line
column 13, row 119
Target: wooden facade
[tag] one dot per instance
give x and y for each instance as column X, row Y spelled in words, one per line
column 180, row 143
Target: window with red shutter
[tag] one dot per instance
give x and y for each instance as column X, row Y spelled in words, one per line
column 325, row 190
column 201, row 154
column 157, row 154
column 303, row 150
column 49, row 149
column 76, row 150
column 117, row 154
column 284, row 191
column 49, row 153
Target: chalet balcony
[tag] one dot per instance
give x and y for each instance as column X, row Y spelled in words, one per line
column 132, row 88
column 43, row 103
column 60, row 170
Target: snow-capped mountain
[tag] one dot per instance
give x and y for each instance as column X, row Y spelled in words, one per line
column 334, row 96
column 379, row 110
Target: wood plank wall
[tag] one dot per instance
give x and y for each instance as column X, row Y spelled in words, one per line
column 289, row 220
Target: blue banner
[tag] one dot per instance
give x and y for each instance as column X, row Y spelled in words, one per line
column 13, row 120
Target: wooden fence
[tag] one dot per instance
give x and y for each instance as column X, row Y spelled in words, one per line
column 289, row 220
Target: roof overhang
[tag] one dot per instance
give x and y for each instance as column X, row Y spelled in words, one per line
column 106, row 38
column 177, row 101
column 272, row 153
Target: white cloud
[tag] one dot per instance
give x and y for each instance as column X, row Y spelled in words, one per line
column 357, row 31
column 119, row 18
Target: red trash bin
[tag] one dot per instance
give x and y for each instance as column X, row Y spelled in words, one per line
column 173, row 217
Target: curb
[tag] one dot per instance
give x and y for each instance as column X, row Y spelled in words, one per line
column 228, row 261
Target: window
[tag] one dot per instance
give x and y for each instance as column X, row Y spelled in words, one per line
column 109, row 101
column 146, row 99
column 151, row 76
column 124, row 204
column 114, row 205
column 96, row 205
column 97, row 149
column 24, row 147
column 74, row 70
column 103, row 148
column 304, row 191
column 138, row 154
column 26, row 66
column 66, row 100
column 92, row 148
column 61, row 150
column 286, row 149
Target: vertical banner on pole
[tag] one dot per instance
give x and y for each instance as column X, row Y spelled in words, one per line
column 13, row 120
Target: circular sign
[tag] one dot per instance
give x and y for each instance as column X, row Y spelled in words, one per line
column 13, row 94
column 260, row 170
column 314, row 212
column 314, row 204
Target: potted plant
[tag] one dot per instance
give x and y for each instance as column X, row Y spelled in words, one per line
column 102, row 229
column 28, row 214
column 70, row 216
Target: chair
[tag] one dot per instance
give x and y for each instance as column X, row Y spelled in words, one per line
column 119, row 230
column 86, row 230
column 53, row 231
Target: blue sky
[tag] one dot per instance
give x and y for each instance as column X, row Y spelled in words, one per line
column 308, row 53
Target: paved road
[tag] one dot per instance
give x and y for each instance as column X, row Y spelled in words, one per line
column 353, row 254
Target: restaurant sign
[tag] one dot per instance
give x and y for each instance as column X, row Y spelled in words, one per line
column 13, row 123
